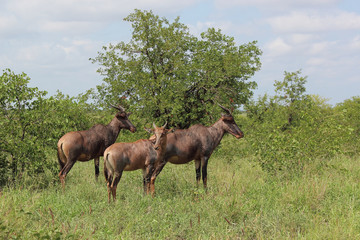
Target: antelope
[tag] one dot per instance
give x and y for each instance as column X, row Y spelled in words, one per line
column 198, row 143
column 90, row 144
column 143, row 154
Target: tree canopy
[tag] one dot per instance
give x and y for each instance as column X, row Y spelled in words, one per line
column 170, row 75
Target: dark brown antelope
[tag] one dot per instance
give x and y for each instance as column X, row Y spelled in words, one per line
column 143, row 154
column 197, row 143
column 90, row 144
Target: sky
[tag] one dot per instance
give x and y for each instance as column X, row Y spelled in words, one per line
column 52, row 40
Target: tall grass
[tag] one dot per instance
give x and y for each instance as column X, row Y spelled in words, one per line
column 242, row 202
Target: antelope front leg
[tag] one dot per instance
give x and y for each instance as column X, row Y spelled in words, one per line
column 197, row 170
column 159, row 168
column 148, row 186
column 152, row 185
column 145, row 181
column 96, row 163
column 204, row 171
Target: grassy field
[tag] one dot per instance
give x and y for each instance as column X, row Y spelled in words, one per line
column 242, row 202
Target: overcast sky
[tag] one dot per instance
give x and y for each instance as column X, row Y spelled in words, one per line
column 52, row 40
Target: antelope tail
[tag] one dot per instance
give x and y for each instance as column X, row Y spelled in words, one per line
column 61, row 156
column 108, row 169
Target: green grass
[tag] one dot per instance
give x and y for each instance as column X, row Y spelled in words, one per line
column 242, row 202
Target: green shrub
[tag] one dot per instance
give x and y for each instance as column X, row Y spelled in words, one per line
column 316, row 131
column 30, row 126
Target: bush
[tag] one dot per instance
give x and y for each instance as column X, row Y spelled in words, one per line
column 348, row 116
column 30, row 125
column 316, row 131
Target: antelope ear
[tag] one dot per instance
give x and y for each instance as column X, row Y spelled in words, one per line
column 149, row 130
column 227, row 118
column 121, row 114
column 153, row 139
column 171, row 130
column 224, row 117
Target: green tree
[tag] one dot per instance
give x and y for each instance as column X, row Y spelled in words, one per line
column 291, row 91
column 17, row 146
column 292, row 88
column 60, row 114
column 31, row 124
column 168, row 74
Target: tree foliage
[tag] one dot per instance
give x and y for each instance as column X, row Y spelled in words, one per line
column 31, row 124
column 16, row 144
column 288, row 133
column 292, row 88
column 291, row 92
column 166, row 73
column 350, row 109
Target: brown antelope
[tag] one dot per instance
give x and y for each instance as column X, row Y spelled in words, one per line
column 142, row 154
column 197, row 143
column 90, row 144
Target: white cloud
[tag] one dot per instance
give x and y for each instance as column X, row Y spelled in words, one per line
column 7, row 22
column 321, row 47
column 299, row 38
column 89, row 10
column 317, row 61
column 69, row 27
column 275, row 4
column 305, row 22
column 355, row 43
column 52, row 40
column 83, row 16
column 277, row 47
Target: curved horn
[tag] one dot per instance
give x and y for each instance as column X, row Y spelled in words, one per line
column 225, row 109
column 120, row 108
column 154, row 126
column 164, row 125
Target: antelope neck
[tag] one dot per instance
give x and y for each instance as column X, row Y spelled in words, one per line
column 114, row 126
column 217, row 132
column 162, row 148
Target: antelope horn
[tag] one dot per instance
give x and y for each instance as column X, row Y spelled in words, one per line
column 154, row 126
column 225, row 109
column 120, row 108
column 165, row 125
